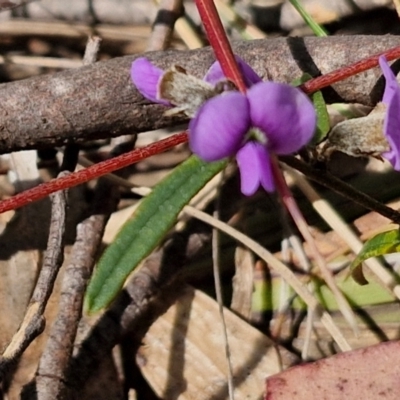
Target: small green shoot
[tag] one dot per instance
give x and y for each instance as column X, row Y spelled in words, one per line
column 381, row 244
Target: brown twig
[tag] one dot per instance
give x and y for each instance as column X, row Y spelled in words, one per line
column 33, row 322
column 58, row 350
column 100, row 100
column 73, row 30
column 50, row 377
column 133, row 311
column 163, row 26
column 91, row 50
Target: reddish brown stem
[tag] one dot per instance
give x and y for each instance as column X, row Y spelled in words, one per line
column 291, row 206
column 137, row 155
column 219, row 42
column 92, row 172
column 346, row 72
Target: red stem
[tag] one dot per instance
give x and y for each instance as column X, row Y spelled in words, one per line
column 346, row 72
column 92, row 172
column 219, row 42
column 137, row 155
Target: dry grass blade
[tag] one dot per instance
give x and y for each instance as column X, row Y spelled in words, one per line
column 163, row 26
column 242, row 283
column 298, row 218
column 333, row 219
column 228, row 14
column 46, row 62
column 220, row 301
column 397, row 6
column 73, row 30
column 281, row 269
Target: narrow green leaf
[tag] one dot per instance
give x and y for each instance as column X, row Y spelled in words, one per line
column 383, row 243
column 308, row 19
column 323, row 123
column 148, row 225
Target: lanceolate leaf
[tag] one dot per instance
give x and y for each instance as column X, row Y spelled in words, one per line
column 383, row 243
column 323, row 124
column 141, row 234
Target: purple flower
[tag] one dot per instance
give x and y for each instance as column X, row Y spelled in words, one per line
column 270, row 118
column 145, row 75
column 148, row 80
column 391, row 124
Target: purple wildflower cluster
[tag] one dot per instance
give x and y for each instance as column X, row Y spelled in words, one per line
column 270, row 118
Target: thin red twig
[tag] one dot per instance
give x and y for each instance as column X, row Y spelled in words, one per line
column 137, row 155
column 346, row 72
column 219, row 42
column 92, row 172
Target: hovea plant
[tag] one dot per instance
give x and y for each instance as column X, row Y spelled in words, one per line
column 270, row 118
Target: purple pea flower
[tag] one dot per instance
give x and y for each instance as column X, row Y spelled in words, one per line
column 145, row 75
column 176, row 87
column 271, row 118
column 391, row 124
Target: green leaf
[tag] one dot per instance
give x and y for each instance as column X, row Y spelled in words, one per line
column 323, row 124
column 383, row 243
column 148, row 225
column 308, row 19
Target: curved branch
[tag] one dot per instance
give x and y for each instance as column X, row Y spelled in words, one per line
column 99, row 100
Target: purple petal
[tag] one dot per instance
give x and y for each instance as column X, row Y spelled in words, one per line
column 391, row 125
column 391, row 129
column 145, row 76
column 215, row 73
column 255, row 168
column 391, row 85
column 284, row 113
column 219, row 128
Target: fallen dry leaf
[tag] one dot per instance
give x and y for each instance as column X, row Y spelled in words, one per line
column 369, row 373
column 183, row 354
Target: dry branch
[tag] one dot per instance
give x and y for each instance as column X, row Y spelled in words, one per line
column 33, row 323
column 100, row 101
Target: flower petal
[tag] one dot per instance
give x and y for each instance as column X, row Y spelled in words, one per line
column 215, row 74
column 145, row 76
column 284, row 113
column 219, row 128
column 255, row 168
column 391, row 85
column 391, row 124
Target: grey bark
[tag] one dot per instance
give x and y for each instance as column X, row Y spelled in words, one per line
column 100, row 101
